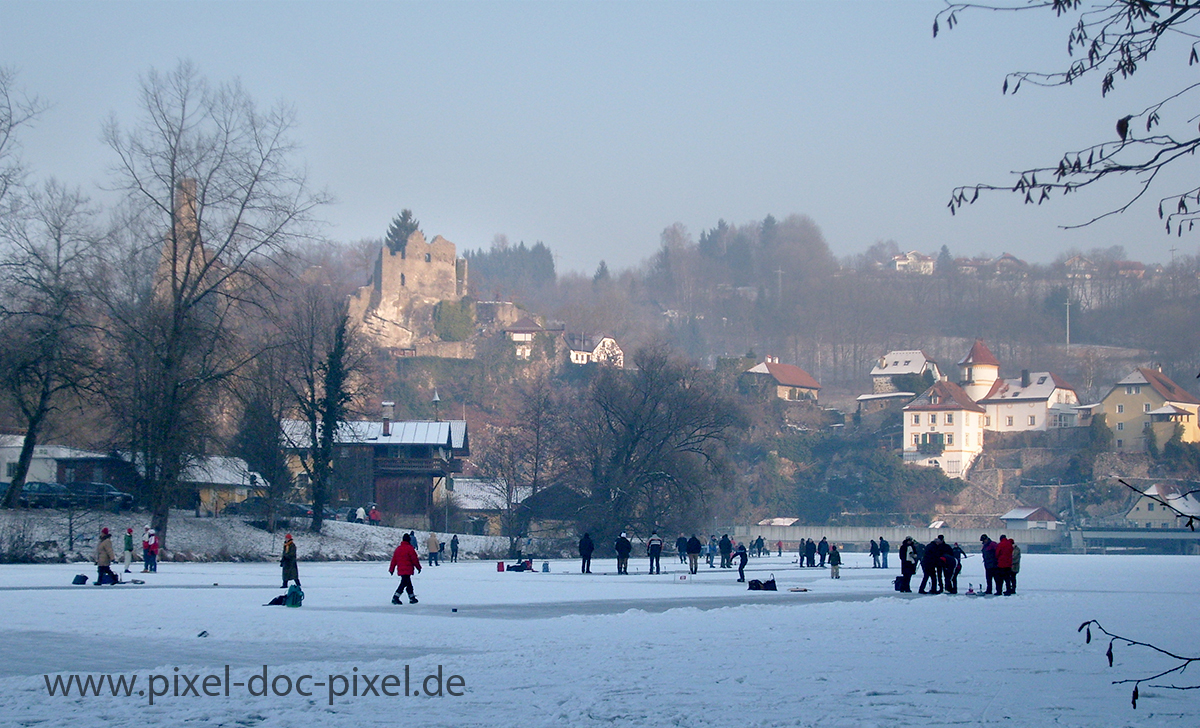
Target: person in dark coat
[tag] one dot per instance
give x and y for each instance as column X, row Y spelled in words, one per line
column 454, row 548
column 823, row 550
column 654, row 549
column 908, row 563
column 586, row 547
column 874, row 554
column 931, row 569
column 288, row 561
column 694, row 547
column 835, row 562
column 810, row 551
column 725, row 546
column 404, row 561
column 884, row 548
column 681, row 548
column 949, row 566
column 623, row 546
column 742, row 557
column 988, row 550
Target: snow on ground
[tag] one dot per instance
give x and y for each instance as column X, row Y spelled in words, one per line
column 566, row 649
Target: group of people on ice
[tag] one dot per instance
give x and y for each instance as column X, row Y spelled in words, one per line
column 106, row 556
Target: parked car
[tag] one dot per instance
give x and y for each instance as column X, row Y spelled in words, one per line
column 99, row 495
column 45, row 495
column 258, row 507
column 329, row 513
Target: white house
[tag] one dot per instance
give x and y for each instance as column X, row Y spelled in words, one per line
column 943, row 428
column 522, row 333
column 595, row 349
column 1023, row 519
column 899, row 363
column 978, row 371
column 1035, row 401
column 1149, row 513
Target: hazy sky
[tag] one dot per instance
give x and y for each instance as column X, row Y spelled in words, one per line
column 593, row 126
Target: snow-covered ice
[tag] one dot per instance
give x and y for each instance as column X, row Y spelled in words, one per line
column 565, row 649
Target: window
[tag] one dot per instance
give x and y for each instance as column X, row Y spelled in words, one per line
column 402, row 280
column 987, row 421
column 933, row 419
column 10, row 470
column 1120, row 425
column 1032, row 420
column 1120, row 444
column 1008, row 421
column 428, row 258
column 1120, row 409
column 1149, row 506
column 1146, row 408
column 949, row 418
column 1145, row 426
column 1128, row 389
column 916, row 439
column 949, row 438
column 916, row 419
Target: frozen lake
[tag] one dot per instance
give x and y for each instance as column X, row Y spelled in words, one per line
column 565, row 649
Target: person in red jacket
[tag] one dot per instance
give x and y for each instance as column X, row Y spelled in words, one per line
column 404, row 560
column 1004, row 562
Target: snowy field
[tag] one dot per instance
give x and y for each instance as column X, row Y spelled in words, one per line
column 564, row 649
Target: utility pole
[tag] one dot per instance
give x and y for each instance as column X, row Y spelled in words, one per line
column 1068, row 323
column 779, row 289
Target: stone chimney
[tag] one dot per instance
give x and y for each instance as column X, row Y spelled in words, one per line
column 389, row 411
column 1024, row 378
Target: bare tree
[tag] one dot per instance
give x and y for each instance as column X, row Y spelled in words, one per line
column 1180, row 662
column 211, row 196
column 1112, row 39
column 16, row 110
column 47, row 342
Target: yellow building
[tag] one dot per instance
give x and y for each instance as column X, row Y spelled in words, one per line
column 1146, row 402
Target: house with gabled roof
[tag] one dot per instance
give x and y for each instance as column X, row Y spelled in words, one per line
column 1035, row 401
column 1148, row 510
column 787, row 381
column 1025, row 518
column 1147, row 404
column 943, row 428
column 594, row 349
column 900, row 363
column 522, row 333
column 913, row 262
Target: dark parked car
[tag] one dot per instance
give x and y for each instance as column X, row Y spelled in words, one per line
column 258, row 507
column 99, row 495
column 328, row 514
column 45, row 495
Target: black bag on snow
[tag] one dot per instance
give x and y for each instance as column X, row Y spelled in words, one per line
column 277, row 601
column 755, row 585
column 769, row 584
column 897, row 583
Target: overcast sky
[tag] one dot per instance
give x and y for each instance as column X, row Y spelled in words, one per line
column 593, row 126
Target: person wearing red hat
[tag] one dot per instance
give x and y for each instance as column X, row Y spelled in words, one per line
column 127, row 554
column 104, row 559
column 290, row 571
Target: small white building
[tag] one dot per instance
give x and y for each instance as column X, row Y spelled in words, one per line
column 522, row 334
column 585, row 349
column 943, row 428
column 1024, row 519
column 1035, row 401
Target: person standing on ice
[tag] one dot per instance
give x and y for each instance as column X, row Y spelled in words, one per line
column 681, row 548
column 150, row 547
column 726, row 548
column 291, row 572
column 454, row 549
column 810, row 551
column 104, row 559
column 835, row 562
column 434, row 548
column 884, row 547
column 127, row 552
column 823, row 550
column 779, row 546
column 623, row 547
column 1011, row 586
column 694, row 547
column 586, row 547
column 712, row 550
column 1004, row 561
column 988, row 550
column 908, row 563
column 404, row 561
column 874, row 554
column 742, row 558
column 654, row 549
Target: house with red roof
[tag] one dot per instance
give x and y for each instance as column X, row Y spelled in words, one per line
column 978, row 371
column 788, row 381
column 943, row 428
column 1146, row 404
column 1035, row 401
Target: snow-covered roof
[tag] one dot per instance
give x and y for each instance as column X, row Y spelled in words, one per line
column 885, row 395
column 217, row 471
column 1029, row 514
column 1042, row 386
column 446, row 433
column 777, row 521
column 56, row 452
column 484, row 494
column 1170, row 409
column 1183, row 501
column 896, row 363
